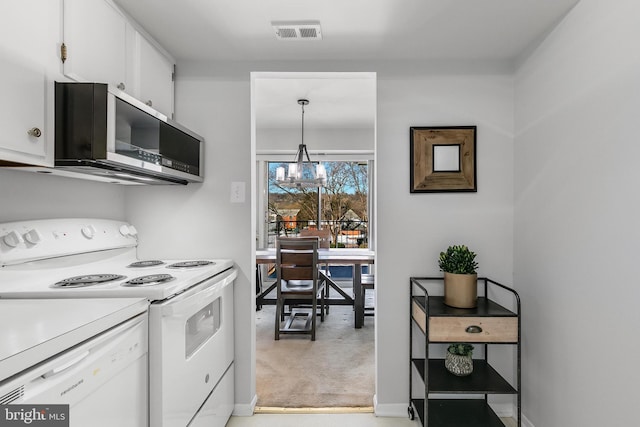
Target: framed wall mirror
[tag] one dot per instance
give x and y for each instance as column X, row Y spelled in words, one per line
column 443, row 159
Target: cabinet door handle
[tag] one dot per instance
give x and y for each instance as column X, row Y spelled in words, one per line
column 121, row 86
column 149, row 103
column 473, row 329
column 35, row 132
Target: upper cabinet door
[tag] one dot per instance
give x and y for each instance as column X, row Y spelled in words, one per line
column 29, row 46
column 22, row 112
column 95, row 35
column 154, row 76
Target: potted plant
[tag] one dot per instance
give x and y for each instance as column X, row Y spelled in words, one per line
column 460, row 278
column 458, row 360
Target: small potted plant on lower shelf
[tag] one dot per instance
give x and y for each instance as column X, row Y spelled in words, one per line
column 460, row 278
column 458, row 360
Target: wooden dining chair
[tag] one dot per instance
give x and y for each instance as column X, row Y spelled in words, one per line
column 368, row 282
column 324, row 242
column 297, row 282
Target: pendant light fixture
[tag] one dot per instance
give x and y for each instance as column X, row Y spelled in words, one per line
column 302, row 173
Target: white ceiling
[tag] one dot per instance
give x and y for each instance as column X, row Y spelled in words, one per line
column 352, row 30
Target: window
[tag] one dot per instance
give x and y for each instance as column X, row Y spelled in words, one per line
column 343, row 202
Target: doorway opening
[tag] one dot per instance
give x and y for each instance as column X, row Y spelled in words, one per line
column 338, row 369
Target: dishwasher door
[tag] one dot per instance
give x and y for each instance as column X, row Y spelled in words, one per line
column 103, row 380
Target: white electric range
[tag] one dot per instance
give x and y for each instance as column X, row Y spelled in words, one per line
column 190, row 313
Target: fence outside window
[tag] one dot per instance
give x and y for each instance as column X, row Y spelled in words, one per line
column 344, row 233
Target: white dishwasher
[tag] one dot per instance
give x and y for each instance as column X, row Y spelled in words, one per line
column 103, row 378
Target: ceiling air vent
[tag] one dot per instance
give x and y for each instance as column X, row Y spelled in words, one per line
column 305, row 30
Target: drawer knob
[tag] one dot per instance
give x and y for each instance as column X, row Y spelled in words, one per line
column 473, row 329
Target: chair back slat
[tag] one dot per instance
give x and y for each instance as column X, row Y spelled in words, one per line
column 301, row 259
column 297, row 273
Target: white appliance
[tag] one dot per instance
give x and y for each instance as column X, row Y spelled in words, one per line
column 190, row 313
column 88, row 354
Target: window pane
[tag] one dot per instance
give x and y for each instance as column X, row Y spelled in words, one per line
column 344, row 203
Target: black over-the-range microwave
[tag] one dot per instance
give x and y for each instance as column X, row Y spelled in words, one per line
column 102, row 131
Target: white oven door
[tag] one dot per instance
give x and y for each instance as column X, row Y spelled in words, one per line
column 190, row 348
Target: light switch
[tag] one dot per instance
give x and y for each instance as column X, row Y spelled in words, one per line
column 237, row 192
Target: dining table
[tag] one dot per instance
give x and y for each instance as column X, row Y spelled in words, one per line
column 357, row 257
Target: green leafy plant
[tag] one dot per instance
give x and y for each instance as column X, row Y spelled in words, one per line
column 458, row 259
column 460, row 349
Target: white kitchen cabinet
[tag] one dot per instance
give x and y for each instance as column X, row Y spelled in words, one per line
column 153, row 72
column 29, row 44
column 97, row 39
column 22, row 112
column 104, row 45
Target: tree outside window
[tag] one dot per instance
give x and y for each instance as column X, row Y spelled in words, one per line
column 344, row 205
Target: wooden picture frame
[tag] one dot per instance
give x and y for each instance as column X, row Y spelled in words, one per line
column 443, row 159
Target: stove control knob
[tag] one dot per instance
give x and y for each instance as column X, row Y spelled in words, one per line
column 33, row 236
column 133, row 231
column 12, row 239
column 88, row 231
column 124, row 230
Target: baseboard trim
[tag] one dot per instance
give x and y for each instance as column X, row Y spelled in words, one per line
column 526, row 422
column 245, row 410
column 394, row 410
column 503, row 410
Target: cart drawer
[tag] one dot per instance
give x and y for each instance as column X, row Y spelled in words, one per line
column 419, row 316
column 488, row 329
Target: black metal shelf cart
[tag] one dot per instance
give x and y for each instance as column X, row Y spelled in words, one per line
column 449, row 400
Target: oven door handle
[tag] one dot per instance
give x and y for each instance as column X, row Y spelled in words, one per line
column 186, row 304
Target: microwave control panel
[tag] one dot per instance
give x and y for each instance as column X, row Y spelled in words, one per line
column 183, row 167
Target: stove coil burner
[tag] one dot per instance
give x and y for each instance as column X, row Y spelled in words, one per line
column 190, row 264
column 150, row 280
column 87, row 280
column 149, row 263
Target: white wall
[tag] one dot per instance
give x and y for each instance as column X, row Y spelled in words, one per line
column 315, row 139
column 30, row 195
column 414, row 228
column 576, row 218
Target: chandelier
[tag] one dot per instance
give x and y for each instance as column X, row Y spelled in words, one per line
column 302, row 173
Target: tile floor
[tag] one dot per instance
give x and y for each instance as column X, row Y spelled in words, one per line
column 323, row 420
column 319, row 420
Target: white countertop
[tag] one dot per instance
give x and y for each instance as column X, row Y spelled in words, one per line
column 36, row 329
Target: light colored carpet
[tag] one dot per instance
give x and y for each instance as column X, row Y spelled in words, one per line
column 336, row 370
